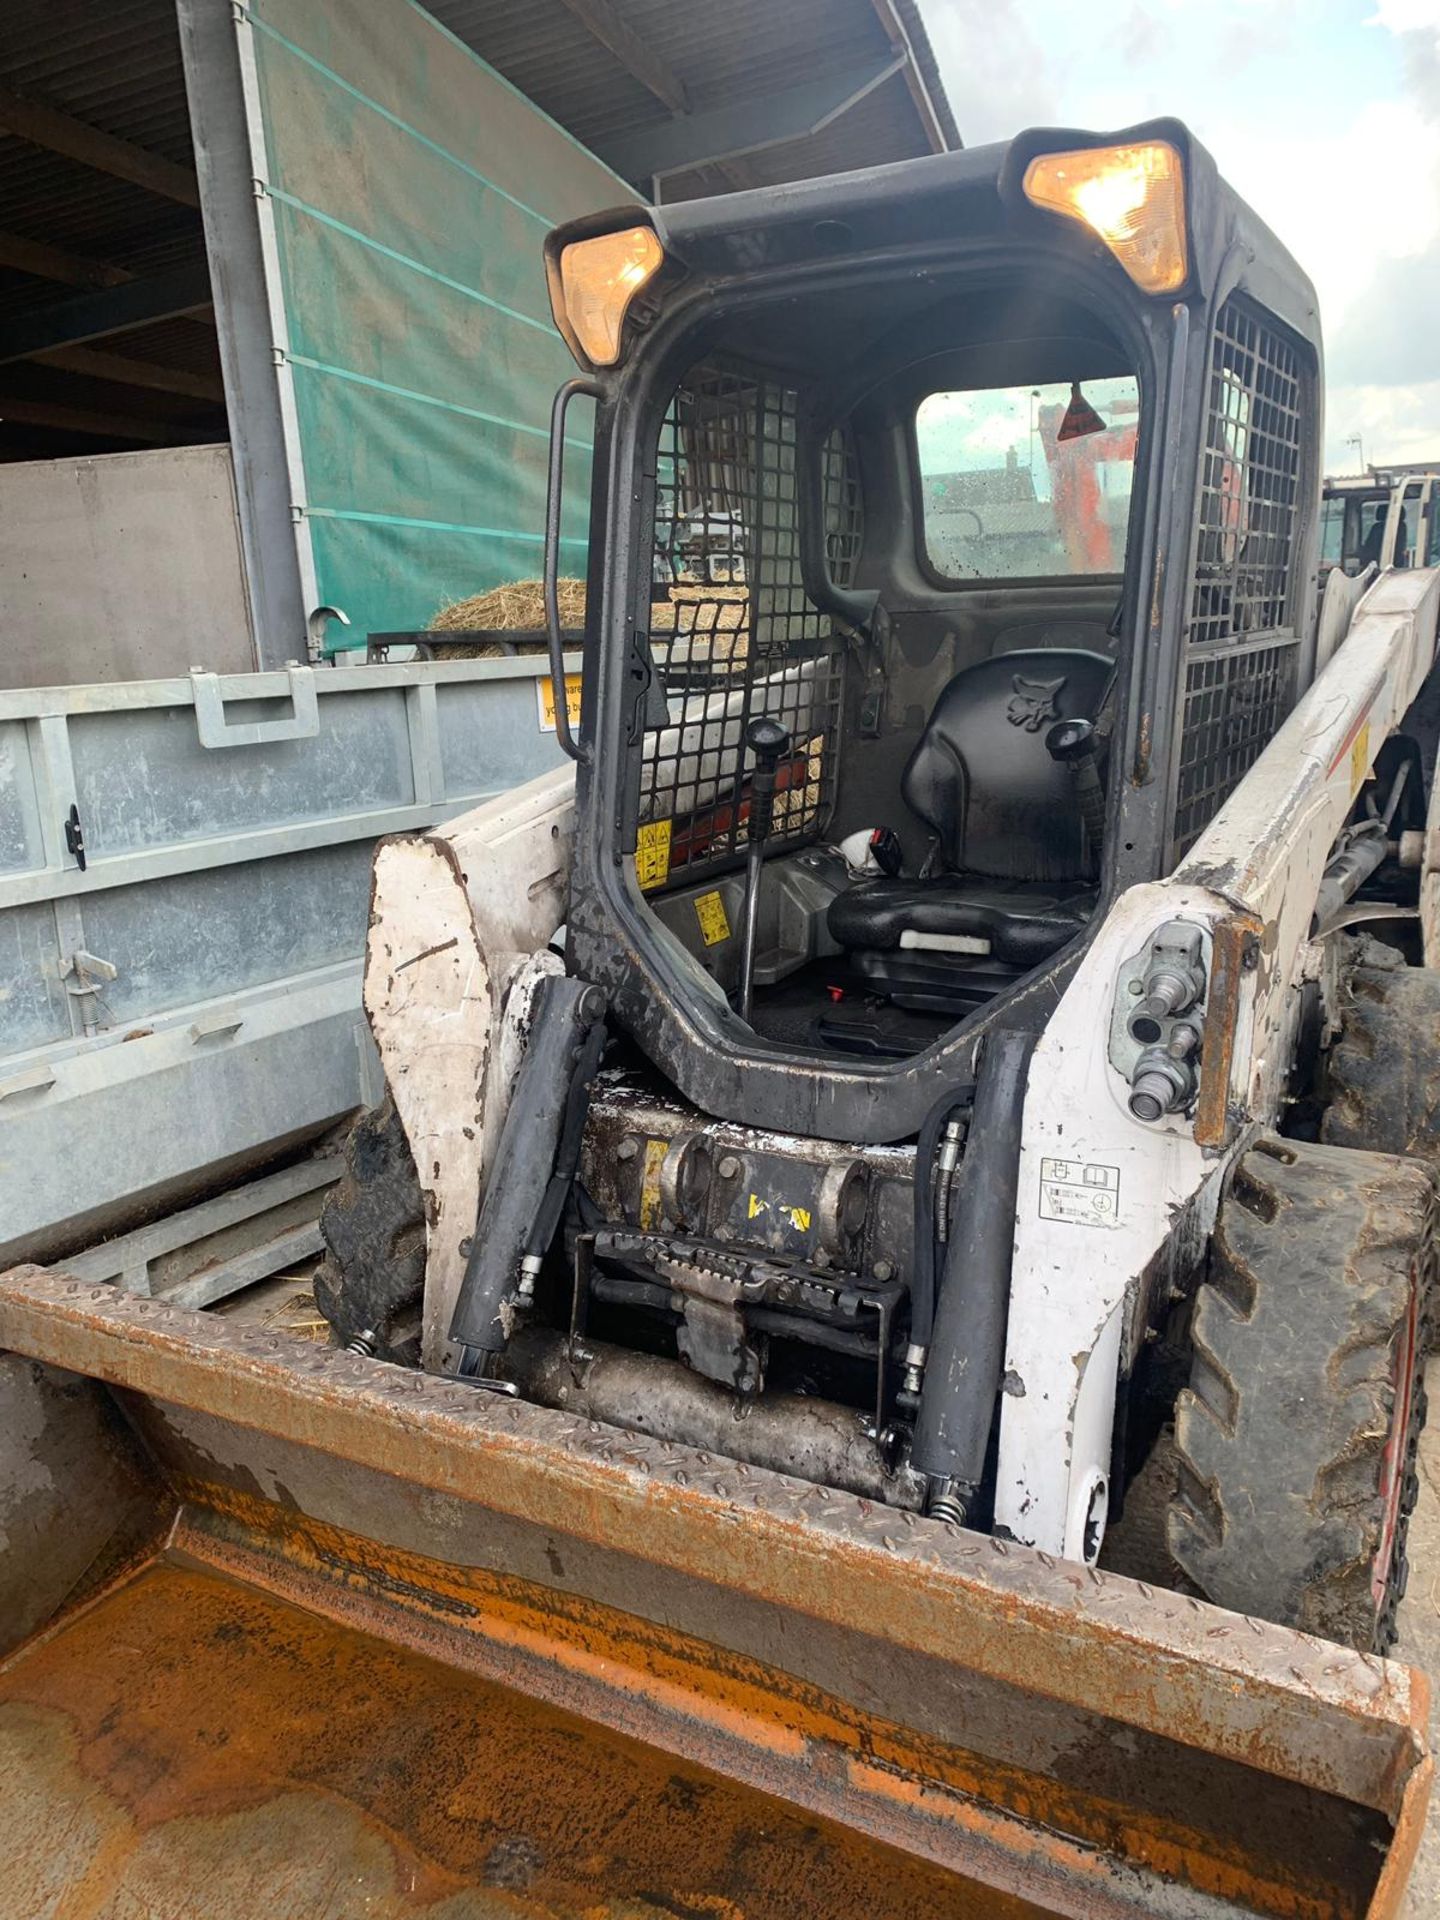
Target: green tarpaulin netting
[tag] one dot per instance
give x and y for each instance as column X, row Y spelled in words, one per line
column 409, row 189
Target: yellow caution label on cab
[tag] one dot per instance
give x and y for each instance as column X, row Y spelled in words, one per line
column 545, row 696
column 652, row 853
column 714, row 921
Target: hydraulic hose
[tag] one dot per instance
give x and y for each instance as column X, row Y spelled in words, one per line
column 967, row 1346
column 922, row 1269
column 521, row 1207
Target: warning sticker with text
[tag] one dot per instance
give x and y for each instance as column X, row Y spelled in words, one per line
column 545, row 699
column 1081, row 1191
column 652, row 853
column 714, row 921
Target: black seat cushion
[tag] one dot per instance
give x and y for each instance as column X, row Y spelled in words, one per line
column 1019, row 921
column 1007, row 821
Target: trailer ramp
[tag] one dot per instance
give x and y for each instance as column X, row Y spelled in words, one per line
column 288, row 1631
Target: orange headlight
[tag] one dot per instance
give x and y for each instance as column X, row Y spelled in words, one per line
column 1132, row 198
column 598, row 280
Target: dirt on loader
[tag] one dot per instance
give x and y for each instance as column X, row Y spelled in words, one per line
column 285, row 1630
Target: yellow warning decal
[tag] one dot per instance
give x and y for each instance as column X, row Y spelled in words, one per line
column 545, row 694
column 1360, row 759
column 652, row 853
column 655, row 1151
column 714, row 921
column 798, row 1217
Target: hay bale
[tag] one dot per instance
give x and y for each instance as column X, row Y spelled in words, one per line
column 484, row 649
column 714, row 620
column 517, row 607
column 796, row 807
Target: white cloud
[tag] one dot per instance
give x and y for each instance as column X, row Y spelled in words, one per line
column 1394, row 423
column 1344, row 199
column 1388, row 338
column 1406, row 16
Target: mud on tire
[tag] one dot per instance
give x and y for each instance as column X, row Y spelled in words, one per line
column 370, row 1283
column 1298, row 1434
column 1383, row 1075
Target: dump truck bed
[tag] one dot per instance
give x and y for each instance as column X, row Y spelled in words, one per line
column 289, row 1631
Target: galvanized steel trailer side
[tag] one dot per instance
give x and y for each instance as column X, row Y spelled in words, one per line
column 184, row 885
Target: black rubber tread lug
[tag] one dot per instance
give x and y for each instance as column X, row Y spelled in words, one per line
column 1210, row 1379
column 1277, row 1511
column 1383, row 1074
column 372, row 1280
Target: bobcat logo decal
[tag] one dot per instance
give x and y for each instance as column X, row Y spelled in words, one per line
column 1034, row 702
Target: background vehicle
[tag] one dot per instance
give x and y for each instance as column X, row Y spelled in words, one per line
column 1380, row 519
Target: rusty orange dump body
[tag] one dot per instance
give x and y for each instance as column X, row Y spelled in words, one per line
column 289, row 1632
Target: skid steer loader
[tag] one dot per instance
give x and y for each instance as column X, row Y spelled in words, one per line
column 831, row 1126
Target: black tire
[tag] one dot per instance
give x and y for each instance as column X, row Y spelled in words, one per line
column 371, row 1283
column 1383, row 1076
column 1298, row 1434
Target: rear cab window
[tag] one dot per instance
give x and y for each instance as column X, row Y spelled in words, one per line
column 1012, row 491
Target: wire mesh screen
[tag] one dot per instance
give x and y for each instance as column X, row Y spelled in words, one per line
column 840, row 484
column 1241, row 648
column 1235, row 698
column 732, row 630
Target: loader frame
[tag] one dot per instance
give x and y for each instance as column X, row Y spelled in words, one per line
column 1082, row 1295
column 1083, row 1291
column 257, row 1592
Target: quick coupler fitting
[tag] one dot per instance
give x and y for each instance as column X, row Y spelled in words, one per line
column 1165, row 1078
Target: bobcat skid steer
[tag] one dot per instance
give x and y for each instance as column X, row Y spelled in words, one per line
column 974, row 1005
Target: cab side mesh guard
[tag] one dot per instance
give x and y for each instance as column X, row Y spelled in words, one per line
column 1241, row 643
column 733, row 633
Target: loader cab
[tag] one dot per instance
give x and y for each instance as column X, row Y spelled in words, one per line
column 1003, row 528
column 929, row 844
column 1380, row 521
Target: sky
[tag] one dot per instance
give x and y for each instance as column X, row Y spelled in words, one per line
column 1323, row 114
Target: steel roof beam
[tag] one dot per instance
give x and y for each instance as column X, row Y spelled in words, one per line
column 601, row 20
column 54, row 263
column 745, row 126
column 90, row 316
column 890, row 17
column 29, row 412
column 128, row 372
column 45, row 126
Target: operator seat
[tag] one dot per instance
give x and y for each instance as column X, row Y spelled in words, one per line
column 1017, row 879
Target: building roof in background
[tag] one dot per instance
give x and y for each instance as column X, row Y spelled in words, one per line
column 99, row 210
column 722, row 67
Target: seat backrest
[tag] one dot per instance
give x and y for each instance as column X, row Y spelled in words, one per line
column 981, row 776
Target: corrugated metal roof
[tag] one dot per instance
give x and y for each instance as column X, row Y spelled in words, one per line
column 116, row 66
column 542, row 49
column 870, row 134
column 720, row 50
column 118, row 69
